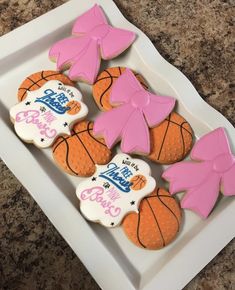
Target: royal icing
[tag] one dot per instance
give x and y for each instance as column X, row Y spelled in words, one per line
column 212, row 168
column 94, row 37
column 138, row 109
column 47, row 113
column 115, row 189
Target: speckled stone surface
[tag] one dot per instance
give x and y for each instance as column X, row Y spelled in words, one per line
column 195, row 36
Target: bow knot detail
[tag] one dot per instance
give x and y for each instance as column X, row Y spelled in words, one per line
column 202, row 180
column 140, row 99
column 93, row 38
column 137, row 110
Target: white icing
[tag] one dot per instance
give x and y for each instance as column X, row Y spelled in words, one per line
column 42, row 116
column 108, row 196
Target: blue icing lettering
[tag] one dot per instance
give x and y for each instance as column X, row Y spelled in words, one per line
column 54, row 101
column 115, row 175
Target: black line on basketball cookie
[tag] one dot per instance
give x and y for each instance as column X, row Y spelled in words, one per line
column 143, row 84
column 90, row 129
column 67, row 156
column 36, row 83
column 88, row 153
column 163, row 140
column 182, row 138
column 111, row 83
column 137, row 231
column 185, row 122
column 178, row 224
column 65, row 138
column 163, row 241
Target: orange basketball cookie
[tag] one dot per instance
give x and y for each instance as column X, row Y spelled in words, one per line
column 79, row 153
column 138, row 182
column 102, row 86
column 38, row 79
column 74, row 107
column 157, row 222
column 171, row 141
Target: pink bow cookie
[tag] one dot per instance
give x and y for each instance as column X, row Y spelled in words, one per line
column 202, row 180
column 92, row 36
column 138, row 109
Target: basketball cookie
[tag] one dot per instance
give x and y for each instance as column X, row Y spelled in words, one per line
column 38, row 79
column 79, row 153
column 104, row 82
column 171, row 141
column 115, row 189
column 45, row 113
column 157, row 222
column 73, row 107
column 138, row 182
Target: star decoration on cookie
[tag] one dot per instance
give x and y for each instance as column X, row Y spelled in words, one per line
column 27, row 103
column 132, row 202
column 42, row 109
column 65, row 124
column 93, row 178
column 106, row 185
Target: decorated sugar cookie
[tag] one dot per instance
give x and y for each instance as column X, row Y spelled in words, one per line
column 93, row 38
column 78, row 153
column 212, row 168
column 136, row 111
column 157, row 223
column 115, row 190
column 171, row 140
column 47, row 113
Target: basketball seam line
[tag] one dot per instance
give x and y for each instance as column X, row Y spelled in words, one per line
column 116, row 77
column 109, row 86
column 85, row 148
column 88, row 130
column 169, row 210
column 138, row 234
column 67, row 157
column 65, row 138
column 163, row 140
column 182, row 138
column 184, row 122
column 35, row 83
column 163, row 241
column 178, row 225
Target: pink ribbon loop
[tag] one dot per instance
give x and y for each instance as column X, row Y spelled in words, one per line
column 137, row 111
column 202, row 180
column 92, row 36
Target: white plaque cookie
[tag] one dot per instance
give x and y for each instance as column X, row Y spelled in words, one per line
column 115, row 190
column 47, row 113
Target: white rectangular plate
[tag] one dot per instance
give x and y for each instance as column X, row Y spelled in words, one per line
column 113, row 261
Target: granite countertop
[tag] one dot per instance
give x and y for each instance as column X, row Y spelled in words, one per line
column 196, row 37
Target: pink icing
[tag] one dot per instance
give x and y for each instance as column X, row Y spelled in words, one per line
column 32, row 116
column 138, row 109
column 202, row 180
column 92, row 36
column 95, row 194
